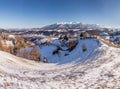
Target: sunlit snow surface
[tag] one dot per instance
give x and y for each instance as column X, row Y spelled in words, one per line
column 99, row 66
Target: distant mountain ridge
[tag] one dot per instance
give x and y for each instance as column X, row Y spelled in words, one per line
column 71, row 25
column 3, row 30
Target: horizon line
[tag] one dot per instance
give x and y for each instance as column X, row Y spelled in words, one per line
column 66, row 22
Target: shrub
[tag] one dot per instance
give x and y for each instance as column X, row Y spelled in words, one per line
column 81, row 35
column 35, row 55
column 66, row 54
column 20, row 43
column 65, row 37
column 72, row 45
column 6, row 49
column 60, row 38
column 45, row 60
column 84, row 48
column 1, row 46
column 11, row 49
column 57, row 51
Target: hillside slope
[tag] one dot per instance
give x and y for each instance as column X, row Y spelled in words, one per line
column 100, row 68
column 75, row 55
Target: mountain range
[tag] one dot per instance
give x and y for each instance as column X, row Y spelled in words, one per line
column 72, row 25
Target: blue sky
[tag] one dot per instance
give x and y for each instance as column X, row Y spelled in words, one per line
column 38, row 13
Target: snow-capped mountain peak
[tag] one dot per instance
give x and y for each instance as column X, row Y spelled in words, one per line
column 68, row 22
column 71, row 26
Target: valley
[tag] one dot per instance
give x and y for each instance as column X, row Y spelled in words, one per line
column 81, row 59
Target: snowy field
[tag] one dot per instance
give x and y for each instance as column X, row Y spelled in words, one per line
column 97, row 68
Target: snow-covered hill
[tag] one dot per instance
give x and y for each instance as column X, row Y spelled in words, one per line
column 74, row 56
column 97, row 68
